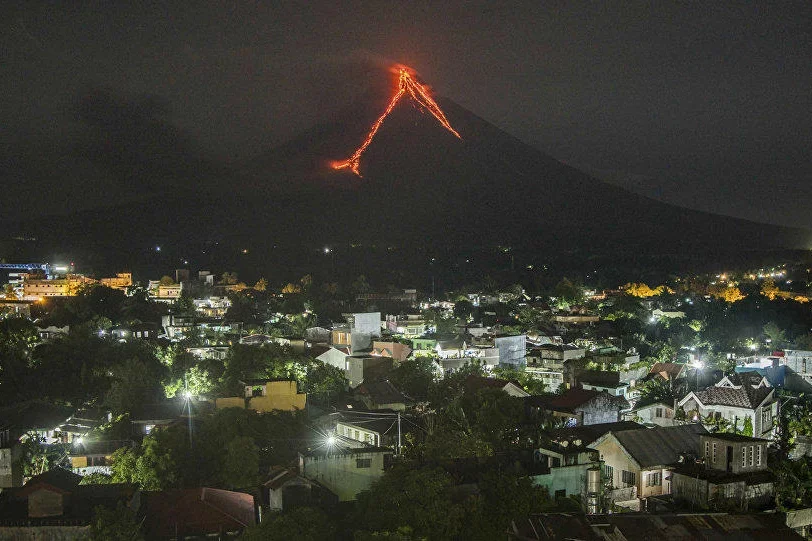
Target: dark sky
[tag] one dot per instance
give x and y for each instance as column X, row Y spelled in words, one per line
column 702, row 104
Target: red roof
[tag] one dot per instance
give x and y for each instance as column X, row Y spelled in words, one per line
column 197, row 511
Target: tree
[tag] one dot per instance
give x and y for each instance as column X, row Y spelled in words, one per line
column 228, row 278
column 301, row 524
column 117, row 524
column 414, row 377
column 568, row 293
column 777, row 336
column 166, row 281
column 261, row 285
column 240, row 464
column 793, row 489
column 419, row 498
column 152, row 466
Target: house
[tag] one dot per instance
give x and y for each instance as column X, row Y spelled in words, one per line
column 345, row 471
column 193, row 513
column 410, row 326
column 424, row 346
column 286, row 489
column 364, row 429
column 474, row 384
column 87, row 457
column 601, row 380
column 642, row 459
column 364, row 367
column 512, row 349
column 548, row 370
column 358, row 332
column 53, row 505
column 586, row 407
column 746, row 408
column 397, row 351
column 732, row 474
column 334, row 356
column 668, row 371
column 33, row 419
column 265, row 395
column 147, row 417
column 141, row 331
column 657, row 412
column 568, row 468
column 739, row 379
column 560, row 526
column 380, row 395
column 560, row 352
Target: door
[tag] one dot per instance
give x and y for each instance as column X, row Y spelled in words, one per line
column 729, row 459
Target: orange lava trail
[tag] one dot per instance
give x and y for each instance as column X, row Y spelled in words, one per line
column 420, row 94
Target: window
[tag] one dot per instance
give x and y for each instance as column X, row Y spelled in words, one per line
column 744, row 456
column 355, row 436
column 714, row 453
column 629, row 478
column 766, row 419
column 363, row 462
column 751, row 456
column 658, row 412
column 609, row 472
column 560, row 494
column 707, row 450
column 654, row 479
column 758, row 459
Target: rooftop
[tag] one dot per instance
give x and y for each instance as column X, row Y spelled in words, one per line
column 660, row 446
column 744, row 397
column 550, row 526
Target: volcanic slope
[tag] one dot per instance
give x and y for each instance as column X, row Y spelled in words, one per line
column 421, row 184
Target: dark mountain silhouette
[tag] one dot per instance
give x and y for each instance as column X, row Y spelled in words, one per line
column 421, row 186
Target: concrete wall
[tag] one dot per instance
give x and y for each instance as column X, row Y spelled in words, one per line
column 572, row 479
column 45, row 503
column 599, row 410
column 367, row 323
column 613, row 455
column 230, row 402
column 512, row 349
column 11, row 474
column 44, row 533
column 341, row 474
column 648, row 415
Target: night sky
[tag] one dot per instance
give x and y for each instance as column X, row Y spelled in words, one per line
column 706, row 105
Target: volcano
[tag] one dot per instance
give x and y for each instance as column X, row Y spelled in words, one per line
column 421, row 186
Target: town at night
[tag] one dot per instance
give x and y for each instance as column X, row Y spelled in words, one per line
column 360, row 271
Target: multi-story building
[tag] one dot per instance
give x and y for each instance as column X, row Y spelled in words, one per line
column 731, row 474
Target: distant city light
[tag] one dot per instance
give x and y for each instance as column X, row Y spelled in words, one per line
column 157, row 248
column 327, row 250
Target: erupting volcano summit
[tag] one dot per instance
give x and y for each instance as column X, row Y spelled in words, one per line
column 419, row 93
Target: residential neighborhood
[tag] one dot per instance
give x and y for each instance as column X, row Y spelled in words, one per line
column 227, row 409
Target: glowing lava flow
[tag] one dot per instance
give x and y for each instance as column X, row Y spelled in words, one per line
column 420, row 94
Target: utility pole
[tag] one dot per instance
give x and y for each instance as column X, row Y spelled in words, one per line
column 398, row 433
